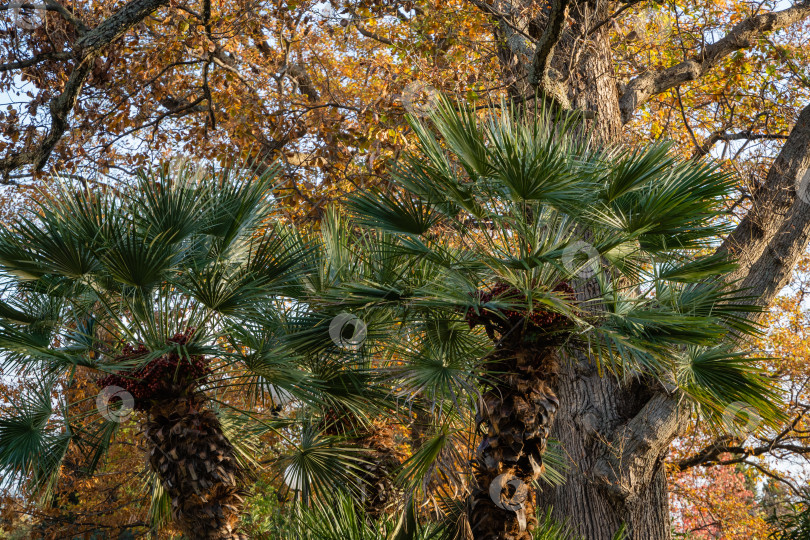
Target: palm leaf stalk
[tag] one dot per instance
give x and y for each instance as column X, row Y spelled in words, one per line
column 553, row 247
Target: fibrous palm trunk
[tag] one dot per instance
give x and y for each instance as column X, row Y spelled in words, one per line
column 383, row 461
column 197, row 467
column 516, row 414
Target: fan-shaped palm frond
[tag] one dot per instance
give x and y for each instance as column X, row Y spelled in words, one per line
column 32, row 440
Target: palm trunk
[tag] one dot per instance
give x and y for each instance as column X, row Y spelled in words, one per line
column 197, row 467
column 381, row 460
column 381, row 495
column 516, row 413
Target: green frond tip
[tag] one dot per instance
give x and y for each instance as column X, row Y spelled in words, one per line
column 730, row 388
column 31, row 446
column 396, row 213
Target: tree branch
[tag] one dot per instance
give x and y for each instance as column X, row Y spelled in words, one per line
column 742, row 36
column 299, row 75
column 544, row 53
column 53, row 5
column 34, row 60
column 767, row 243
column 618, row 12
column 86, row 49
column 776, row 230
column 552, row 34
column 50, row 5
column 633, row 454
column 748, row 135
column 116, row 25
column 710, row 454
column 367, row 33
column 503, row 18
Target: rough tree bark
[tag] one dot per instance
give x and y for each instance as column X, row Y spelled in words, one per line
column 616, row 436
column 517, row 411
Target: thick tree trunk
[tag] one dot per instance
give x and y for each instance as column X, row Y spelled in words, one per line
column 197, row 467
column 594, row 409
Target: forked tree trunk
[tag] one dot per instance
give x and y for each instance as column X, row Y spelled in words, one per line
column 515, row 414
column 596, row 408
column 197, row 467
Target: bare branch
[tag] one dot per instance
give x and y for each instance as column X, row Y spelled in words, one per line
column 716, row 137
column 711, row 453
column 369, row 34
column 53, row 5
column 50, row 5
column 503, row 18
column 730, row 445
column 28, row 62
column 742, row 36
column 618, row 12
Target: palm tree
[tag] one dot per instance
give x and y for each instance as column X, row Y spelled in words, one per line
column 553, row 247
column 160, row 293
column 329, row 336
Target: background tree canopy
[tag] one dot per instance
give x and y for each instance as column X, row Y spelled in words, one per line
column 95, row 90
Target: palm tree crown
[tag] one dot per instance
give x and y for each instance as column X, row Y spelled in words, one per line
column 158, row 294
column 502, row 249
column 554, row 247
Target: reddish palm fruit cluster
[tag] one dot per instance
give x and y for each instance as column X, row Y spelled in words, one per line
column 165, row 377
column 537, row 318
